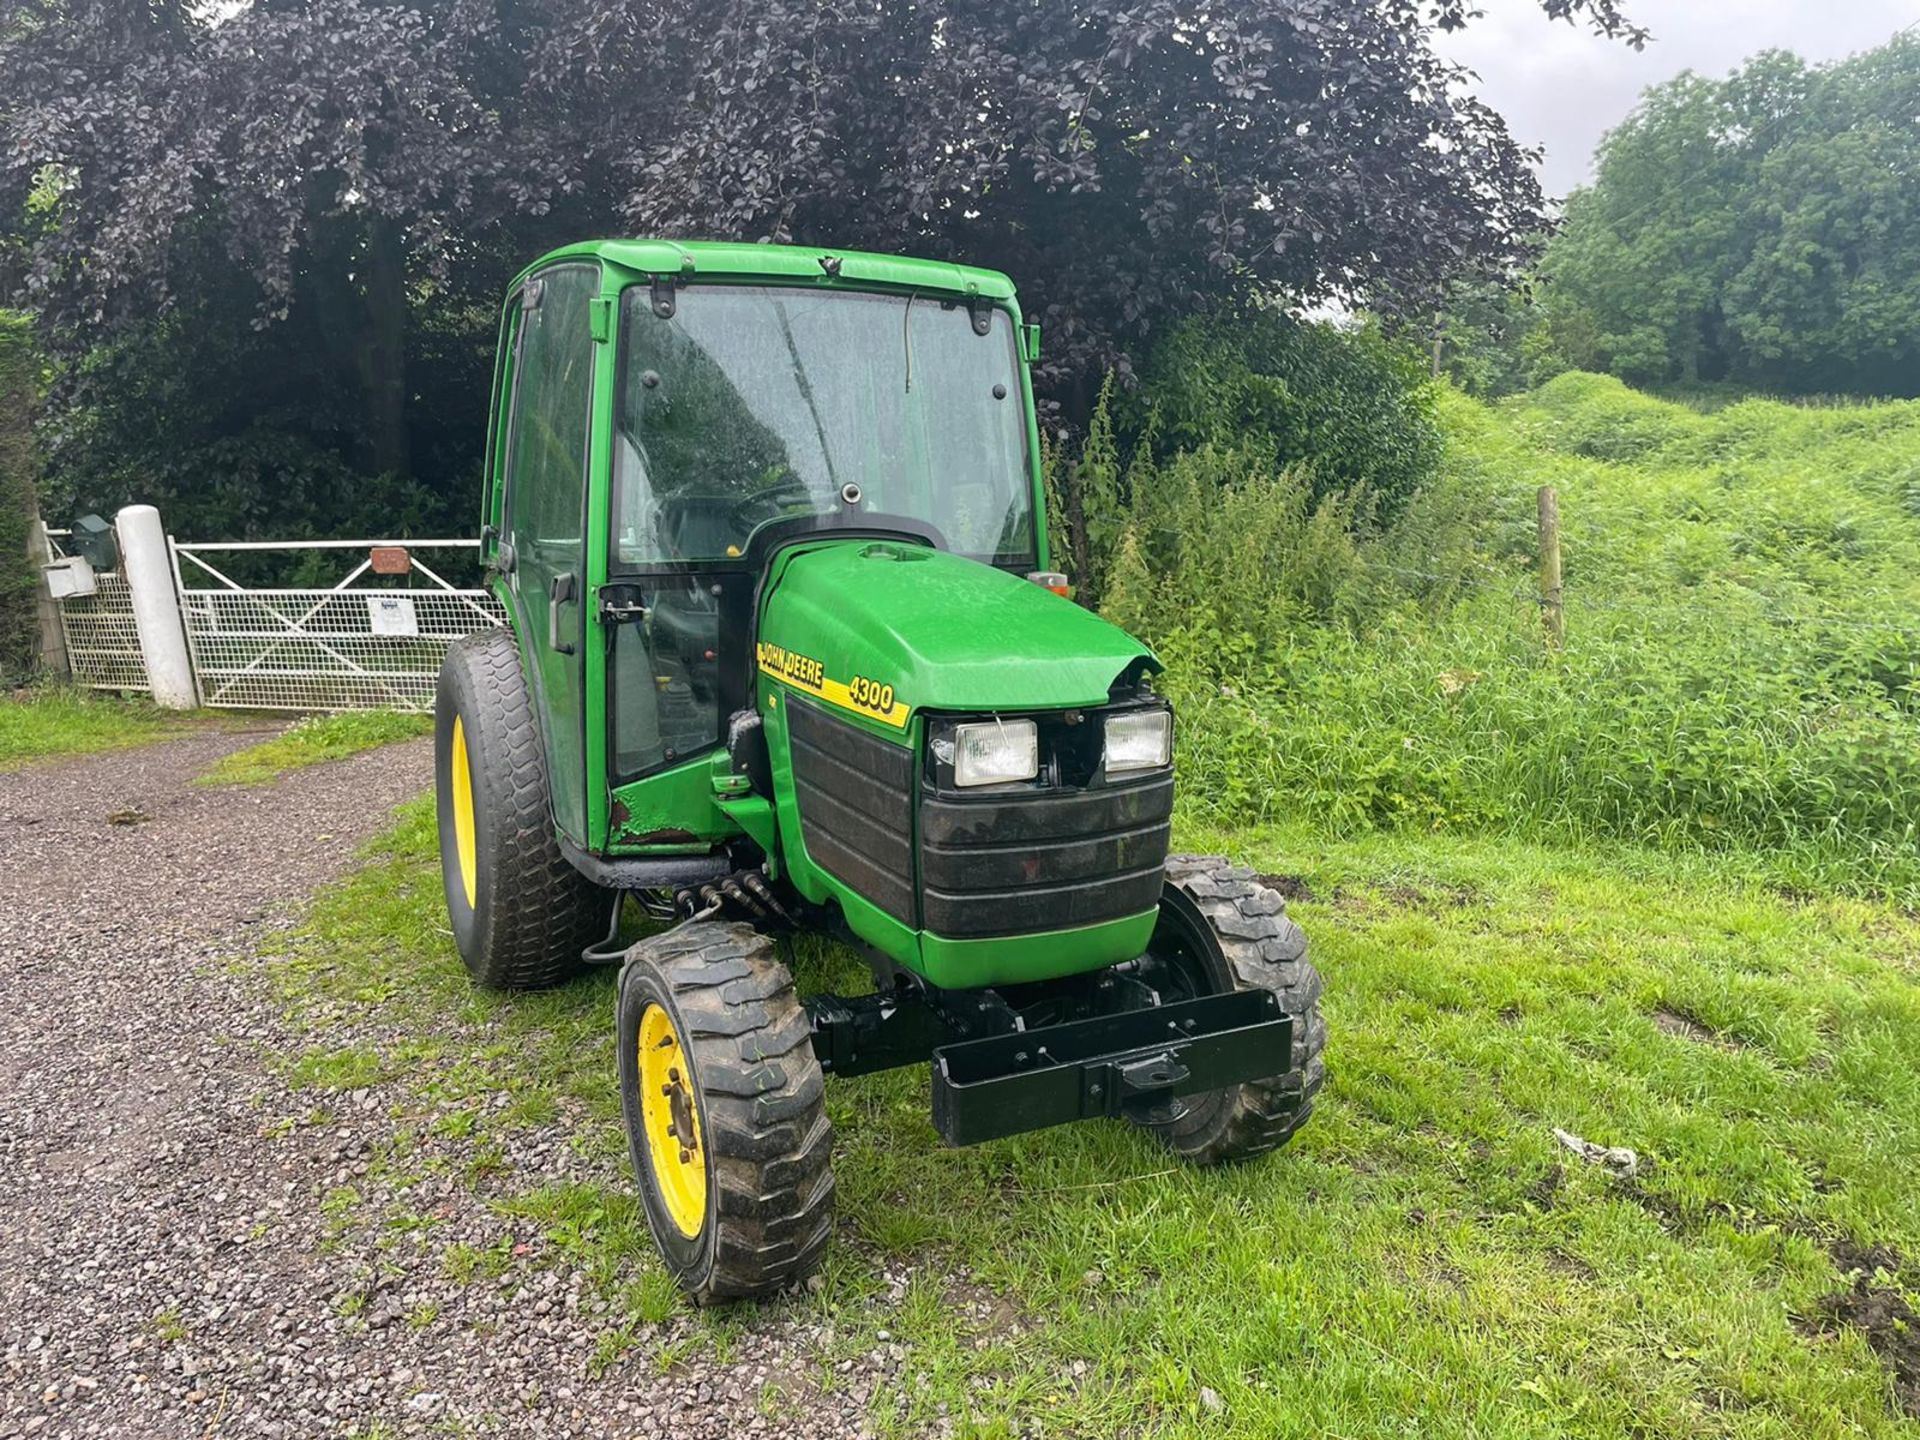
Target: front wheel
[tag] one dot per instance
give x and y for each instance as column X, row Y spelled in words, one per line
column 1220, row 929
column 725, row 1111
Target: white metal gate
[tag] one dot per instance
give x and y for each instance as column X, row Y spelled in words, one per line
column 374, row 640
column 103, row 646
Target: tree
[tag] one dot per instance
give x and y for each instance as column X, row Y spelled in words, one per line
column 19, row 632
column 1127, row 162
column 1763, row 229
column 349, row 165
column 1348, row 410
column 1493, row 339
column 293, row 155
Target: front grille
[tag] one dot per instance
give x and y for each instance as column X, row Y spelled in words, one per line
column 1015, row 861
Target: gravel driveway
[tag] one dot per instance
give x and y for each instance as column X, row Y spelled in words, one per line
column 166, row 1265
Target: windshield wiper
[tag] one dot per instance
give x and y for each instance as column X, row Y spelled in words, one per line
column 805, row 387
column 906, row 334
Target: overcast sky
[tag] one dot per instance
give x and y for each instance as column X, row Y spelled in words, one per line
column 1563, row 87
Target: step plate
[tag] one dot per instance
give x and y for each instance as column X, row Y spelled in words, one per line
column 1132, row 1062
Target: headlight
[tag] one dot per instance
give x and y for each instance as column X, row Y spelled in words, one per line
column 1139, row 740
column 996, row 753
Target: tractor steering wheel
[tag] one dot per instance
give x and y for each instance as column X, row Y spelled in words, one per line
column 769, row 502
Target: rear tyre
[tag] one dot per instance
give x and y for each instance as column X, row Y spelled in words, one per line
column 520, row 913
column 1220, row 929
column 725, row 1111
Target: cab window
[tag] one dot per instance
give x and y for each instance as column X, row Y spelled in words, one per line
column 757, row 403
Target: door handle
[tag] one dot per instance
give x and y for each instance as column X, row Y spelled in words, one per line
column 561, row 590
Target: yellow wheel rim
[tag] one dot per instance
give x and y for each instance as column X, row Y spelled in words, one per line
column 671, row 1121
column 463, row 842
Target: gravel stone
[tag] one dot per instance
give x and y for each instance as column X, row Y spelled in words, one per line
column 168, row 1267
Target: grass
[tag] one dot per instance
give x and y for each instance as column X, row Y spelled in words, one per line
column 313, row 740
column 45, row 722
column 1426, row 1260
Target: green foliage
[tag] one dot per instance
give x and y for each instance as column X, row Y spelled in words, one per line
column 1495, row 340
column 1742, row 668
column 1085, row 509
column 312, row 740
column 202, row 417
column 19, row 628
column 1211, row 543
column 1598, row 417
column 1348, row 409
column 1247, row 434
column 1763, row 229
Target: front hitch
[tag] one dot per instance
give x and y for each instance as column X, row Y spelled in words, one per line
column 1131, row 1063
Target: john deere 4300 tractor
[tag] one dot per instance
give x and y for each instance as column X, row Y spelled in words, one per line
column 786, row 654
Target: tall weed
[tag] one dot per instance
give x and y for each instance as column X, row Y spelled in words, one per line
column 1742, row 664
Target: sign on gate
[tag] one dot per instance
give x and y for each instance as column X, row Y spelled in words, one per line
column 393, row 615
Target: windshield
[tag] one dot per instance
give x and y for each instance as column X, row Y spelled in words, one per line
column 759, row 403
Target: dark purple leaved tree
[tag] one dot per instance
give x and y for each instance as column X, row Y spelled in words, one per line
column 354, row 168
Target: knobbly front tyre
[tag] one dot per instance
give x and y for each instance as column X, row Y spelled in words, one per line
column 725, row 1114
column 520, row 914
column 1220, row 929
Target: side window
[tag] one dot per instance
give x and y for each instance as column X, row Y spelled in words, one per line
column 547, row 441
column 498, row 425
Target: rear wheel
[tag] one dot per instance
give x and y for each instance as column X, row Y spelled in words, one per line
column 520, row 913
column 725, row 1111
column 1220, row 929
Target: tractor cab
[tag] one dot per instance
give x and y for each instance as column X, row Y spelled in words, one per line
column 666, row 417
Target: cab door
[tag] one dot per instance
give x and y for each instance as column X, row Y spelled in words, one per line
column 549, row 428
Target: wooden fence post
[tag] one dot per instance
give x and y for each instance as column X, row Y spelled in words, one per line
column 1552, row 612
column 53, row 639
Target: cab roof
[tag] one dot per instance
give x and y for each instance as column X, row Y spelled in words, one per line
column 727, row 260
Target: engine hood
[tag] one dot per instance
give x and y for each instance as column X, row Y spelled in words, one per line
column 888, row 628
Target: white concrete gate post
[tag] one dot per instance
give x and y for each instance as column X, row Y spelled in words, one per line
column 156, row 607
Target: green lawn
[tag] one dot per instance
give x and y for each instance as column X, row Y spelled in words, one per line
column 45, row 722
column 313, row 739
column 1426, row 1260
column 42, row 722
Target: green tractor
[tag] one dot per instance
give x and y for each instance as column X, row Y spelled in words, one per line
column 786, row 654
